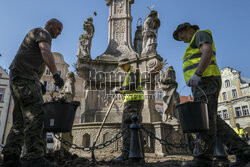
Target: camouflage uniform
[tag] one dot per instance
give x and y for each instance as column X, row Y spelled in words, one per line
column 28, row 118
column 211, row 86
column 25, row 72
column 130, row 108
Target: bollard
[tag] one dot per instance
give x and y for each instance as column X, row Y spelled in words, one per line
column 135, row 153
column 220, row 150
column 220, row 154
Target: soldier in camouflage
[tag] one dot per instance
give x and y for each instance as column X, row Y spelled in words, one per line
column 25, row 72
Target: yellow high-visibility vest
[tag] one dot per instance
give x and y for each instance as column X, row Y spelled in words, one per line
column 240, row 132
column 191, row 60
column 132, row 95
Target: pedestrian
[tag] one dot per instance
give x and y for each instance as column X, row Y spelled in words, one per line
column 133, row 100
column 25, row 72
column 240, row 131
column 201, row 70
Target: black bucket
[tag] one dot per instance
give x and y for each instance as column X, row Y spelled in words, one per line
column 193, row 116
column 59, row 116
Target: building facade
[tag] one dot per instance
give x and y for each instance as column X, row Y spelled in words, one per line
column 6, row 104
column 234, row 98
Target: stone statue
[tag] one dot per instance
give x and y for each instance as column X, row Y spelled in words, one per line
column 150, row 29
column 85, row 39
column 170, row 96
column 138, row 40
column 67, row 93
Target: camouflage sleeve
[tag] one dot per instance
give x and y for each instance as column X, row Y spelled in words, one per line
column 42, row 35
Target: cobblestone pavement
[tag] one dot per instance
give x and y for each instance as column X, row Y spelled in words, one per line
column 65, row 159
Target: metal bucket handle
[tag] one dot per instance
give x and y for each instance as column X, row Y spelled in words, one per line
column 198, row 88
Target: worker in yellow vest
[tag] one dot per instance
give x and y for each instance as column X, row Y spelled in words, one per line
column 133, row 100
column 201, row 70
column 240, row 131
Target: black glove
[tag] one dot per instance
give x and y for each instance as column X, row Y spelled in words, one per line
column 58, row 80
column 43, row 88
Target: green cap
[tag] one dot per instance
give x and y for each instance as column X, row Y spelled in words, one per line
column 182, row 27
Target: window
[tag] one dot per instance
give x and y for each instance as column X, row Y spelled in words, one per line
column 224, row 95
column 237, row 112
column 245, row 110
column 1, row 94
column 234, row 93
column 1, row 75
column 220, row 114
column 86, row 140
column 227, row 83
column 47, row 72
column 225, row 114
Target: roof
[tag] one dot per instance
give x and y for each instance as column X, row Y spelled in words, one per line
column 186, row 98
column 244, row 80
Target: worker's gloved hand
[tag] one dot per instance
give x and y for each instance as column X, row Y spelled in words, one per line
column 116, row 90
column 194, row 81
column 58, row 80
column 43, row 88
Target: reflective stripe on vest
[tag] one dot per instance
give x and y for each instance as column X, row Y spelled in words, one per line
column 134, row 94
column 191, row 60
column 240, row 132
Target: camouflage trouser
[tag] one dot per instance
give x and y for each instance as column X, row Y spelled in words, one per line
column 211, row 86
column 28, row 118
column 130, row 108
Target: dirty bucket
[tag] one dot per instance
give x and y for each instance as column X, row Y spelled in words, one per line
column 194, row 116
column 59, row 115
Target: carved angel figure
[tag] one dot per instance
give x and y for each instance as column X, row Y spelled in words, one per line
column 85, row 39
column 150, row 29
column 138, row 40
column 67, row 93
column 170, row 96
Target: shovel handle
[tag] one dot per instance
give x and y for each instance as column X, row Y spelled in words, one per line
column 104, row 120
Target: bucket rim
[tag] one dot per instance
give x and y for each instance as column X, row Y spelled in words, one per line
column 63, row 102
column 191, row 102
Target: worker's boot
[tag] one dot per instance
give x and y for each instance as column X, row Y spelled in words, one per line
column 11, row 161
column 197, row 162
column 242, row 160
column 40, row 162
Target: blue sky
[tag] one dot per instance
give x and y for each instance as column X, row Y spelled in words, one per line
column 227, row 19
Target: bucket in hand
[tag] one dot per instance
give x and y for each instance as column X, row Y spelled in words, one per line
column 59, row 116
column 194, row 116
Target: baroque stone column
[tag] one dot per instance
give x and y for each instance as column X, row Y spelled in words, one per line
column 98, row 73
column 120, row 35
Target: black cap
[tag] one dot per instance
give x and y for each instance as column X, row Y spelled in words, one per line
column 182, row 27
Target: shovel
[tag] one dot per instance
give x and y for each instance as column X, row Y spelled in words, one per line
column 99, row 132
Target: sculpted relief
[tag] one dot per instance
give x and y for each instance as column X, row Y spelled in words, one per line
column 85, row 39
column 170, row 97
column 150, row 29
